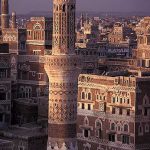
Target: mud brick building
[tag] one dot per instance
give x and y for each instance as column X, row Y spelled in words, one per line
column 113, row 112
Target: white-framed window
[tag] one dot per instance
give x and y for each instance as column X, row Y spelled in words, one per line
column 112, row 137
column 82, row 106
column 38, row 91
column 39, row 75
column 28, row 92
column 33, row 73
column 125, row 139
column 98, row 128
column 126, row 128
column 147, row 128
column 36, row 52
column 21, row 92
column 82, row 95
column 113, row 126
column 89, row 96
column 86, row 121
column 87, row 146
column 86, row 133
column 146, row 100
column 113, row 99
column 29, row 32
column 140, row 130
column 89, row 107
column 21, row 148
column 146, row 63
column 119, row 127
column 113, row 110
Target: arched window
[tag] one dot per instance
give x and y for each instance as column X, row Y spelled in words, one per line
column 83, row 95
column 119, row 128
column 86, row 148
column 98, row 129
column 146, row 100
column 89, row 96
column 21, row 92
column 140, row 130
column 113, row 126
column 30, row 92
column 38, row 92
column 64, row 8
column 72, row 7
column 147, row 128
column 86, row 121
column 126, row 128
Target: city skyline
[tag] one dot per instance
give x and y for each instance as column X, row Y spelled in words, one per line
column 21, row 6
column 74, row 83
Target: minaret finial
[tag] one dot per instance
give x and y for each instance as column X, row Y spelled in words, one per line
column 13, row 25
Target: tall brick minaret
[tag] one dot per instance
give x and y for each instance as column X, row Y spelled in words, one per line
column 62, row 68
column 14, row 24
column 0, row 14
column 4, row 14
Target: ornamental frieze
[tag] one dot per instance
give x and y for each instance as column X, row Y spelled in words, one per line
column 24, row 67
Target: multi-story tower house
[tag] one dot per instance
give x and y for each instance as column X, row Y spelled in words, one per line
column 32, row 79
column 62, row 70
column 142, row 53
column 10, row 33
column 5, row 85
column 113, row 112
column 39, row 35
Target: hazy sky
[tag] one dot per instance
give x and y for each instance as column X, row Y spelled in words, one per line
column 25, row 6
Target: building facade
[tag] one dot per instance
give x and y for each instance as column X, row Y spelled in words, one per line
column 113, row 113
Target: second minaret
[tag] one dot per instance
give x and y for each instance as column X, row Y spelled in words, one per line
column 4, row 14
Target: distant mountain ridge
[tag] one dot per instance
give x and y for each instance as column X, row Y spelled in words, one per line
column 90, row 13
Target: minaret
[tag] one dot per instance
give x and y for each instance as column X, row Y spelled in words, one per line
column 62, row 68
column 13, row 17
column 82, row 21
column 0, row 14
column 4, row 14
column 14, row 24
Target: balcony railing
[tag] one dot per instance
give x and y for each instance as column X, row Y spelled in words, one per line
column 105, row 142
column 5, row 102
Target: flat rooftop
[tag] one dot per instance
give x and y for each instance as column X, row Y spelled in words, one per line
column 26, row 131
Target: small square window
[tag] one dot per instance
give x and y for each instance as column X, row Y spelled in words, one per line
column 113, row 110
column 120, row 111
column 128, row 112
column 89, row 107
column 33, row 73
column 39, row 76
column 83, row 107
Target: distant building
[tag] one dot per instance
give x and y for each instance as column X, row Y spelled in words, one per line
column 38, row 82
